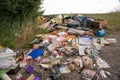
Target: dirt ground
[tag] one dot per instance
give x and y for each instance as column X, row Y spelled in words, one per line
column 111, row 54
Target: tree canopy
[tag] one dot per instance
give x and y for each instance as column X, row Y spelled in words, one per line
column 18, row 10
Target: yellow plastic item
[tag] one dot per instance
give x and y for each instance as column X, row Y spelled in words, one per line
column 1, row 47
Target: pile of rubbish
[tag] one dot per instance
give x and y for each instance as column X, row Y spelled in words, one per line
column 79, row 22
column 60, row 52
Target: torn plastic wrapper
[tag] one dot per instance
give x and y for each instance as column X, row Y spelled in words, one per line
column 7, row 59
column 6, row 53
column 6, row 50
column 101, row 63
column 7, row 64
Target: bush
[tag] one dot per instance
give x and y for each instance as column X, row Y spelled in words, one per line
column 14, row 16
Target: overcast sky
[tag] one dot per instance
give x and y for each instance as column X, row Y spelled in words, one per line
column 80, row 6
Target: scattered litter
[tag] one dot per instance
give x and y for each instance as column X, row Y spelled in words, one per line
column 36, row 53
column 88, row 74
column 6, row 77
column 103, row 74
column 102, row 63
column 30, row 69
column 101, row 33
column 64, row 69
column 69, row 46
column 87, row 61
column 31, row 77
column 111, row 40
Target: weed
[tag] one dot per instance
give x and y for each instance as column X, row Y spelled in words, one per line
column 8, row 42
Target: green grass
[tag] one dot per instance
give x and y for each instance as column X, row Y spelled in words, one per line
column 26, row 44
column 27, row 32
column 38, row 30
column 8, row 42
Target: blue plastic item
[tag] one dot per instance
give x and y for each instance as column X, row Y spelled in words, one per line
column 101, row 33
column 36, row 53
column 91, row 38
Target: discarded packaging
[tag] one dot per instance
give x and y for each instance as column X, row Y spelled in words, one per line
column 64, row 69
column 88, row 74
column 101, row 33
column 87, row 61
column 36, row 53
column 102, row 63
column 111, row 40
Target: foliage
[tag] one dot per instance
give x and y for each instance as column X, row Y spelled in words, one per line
column 15, row 14
column 18, row 10
column 9, row 42
column 35, row 30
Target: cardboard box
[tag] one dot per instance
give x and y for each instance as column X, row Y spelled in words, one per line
column 100, row 23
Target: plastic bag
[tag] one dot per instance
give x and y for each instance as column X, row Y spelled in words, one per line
column 7, row 64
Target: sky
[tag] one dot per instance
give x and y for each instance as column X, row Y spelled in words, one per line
column 80, row 6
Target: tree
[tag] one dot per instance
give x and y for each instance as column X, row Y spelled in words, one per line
column 12, row 11
column 13, row 15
